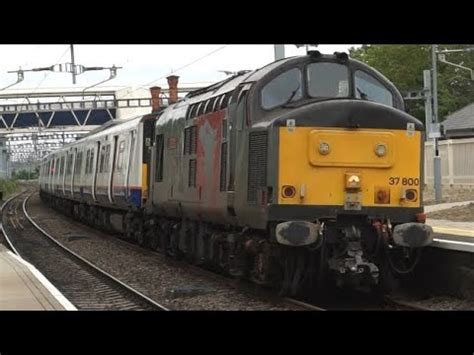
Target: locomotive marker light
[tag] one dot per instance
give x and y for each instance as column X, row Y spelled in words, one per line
column 291, row 124
column 324, row 148
column 380, row 149
column 382, row 195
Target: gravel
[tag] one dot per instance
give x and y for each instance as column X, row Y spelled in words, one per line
column 445, row 303
column 455, row 214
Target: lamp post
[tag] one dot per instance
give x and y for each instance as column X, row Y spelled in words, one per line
column 435, row 126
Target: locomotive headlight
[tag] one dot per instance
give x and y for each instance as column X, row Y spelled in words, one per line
column 381, row 150
column 324, row 148
column 353, row 181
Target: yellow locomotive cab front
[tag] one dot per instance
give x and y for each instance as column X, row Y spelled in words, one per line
column 353, row 168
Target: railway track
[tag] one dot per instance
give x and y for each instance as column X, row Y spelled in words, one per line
column 86, row 285
column 405, row 305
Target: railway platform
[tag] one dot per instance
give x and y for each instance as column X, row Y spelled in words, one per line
column 23, row 287
column 449, row 234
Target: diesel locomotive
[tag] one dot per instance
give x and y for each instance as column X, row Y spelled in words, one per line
column 307, row 170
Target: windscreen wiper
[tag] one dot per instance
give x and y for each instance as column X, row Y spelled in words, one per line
column 293, row 94
column 363, row 95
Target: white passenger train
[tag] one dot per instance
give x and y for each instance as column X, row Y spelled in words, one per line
column 106, row 167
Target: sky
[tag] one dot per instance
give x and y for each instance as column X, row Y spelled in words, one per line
column 142, row 65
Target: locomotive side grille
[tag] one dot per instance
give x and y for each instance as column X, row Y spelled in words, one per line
column 257, row 176
column 190, row 140
column 192, row 173
column 223, row 166
column 193, row 148
column 187, row 141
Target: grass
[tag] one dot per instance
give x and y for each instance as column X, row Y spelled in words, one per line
column 8, row 187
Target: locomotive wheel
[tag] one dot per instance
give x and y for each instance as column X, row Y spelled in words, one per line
column 223, row 257
column 387, row 280
column 201, row 248
column 140, row 235
column 164, row 236
column 142, row 239
column 153, row 237
column 173, row 245
column 99, row 221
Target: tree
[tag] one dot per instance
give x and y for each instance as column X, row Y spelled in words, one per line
column 404, row 65
column 25, row 174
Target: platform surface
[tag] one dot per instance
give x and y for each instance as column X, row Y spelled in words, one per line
column 449, row 234
column 23, row 287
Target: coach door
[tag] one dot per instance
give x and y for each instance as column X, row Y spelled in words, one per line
column 112, row 170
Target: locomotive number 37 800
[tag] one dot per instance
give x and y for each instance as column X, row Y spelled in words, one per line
column 396, row 180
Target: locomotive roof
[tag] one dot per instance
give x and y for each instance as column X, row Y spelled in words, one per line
column 231, row 83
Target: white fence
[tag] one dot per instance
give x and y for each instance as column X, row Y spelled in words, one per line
column 457, row 161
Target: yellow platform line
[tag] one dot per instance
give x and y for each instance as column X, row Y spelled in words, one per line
column 454, row 231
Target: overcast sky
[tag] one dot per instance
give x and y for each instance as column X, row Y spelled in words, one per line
column 143, row 65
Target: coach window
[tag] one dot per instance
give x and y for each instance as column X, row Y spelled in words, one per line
column 107, row 159
column 102, row 159
column 69, row 164
column 285, row 88
column 88, row 155
column 91, row 166
column 61, row 166
column 369, row 88
column 120, row 156
column 328, row 80
column 77, row 170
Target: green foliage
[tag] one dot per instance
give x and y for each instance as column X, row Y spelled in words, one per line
column 25, row 174
column 7, row 186
column 404, row 65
